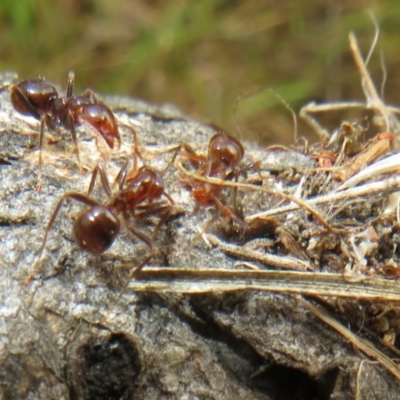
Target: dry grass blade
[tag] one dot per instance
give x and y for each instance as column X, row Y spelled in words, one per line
column 368, row 155
column 362, row 344
column 178, row 280
column 385, row 186
column 387, row 165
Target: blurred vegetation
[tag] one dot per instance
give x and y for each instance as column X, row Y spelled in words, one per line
column 202, row 55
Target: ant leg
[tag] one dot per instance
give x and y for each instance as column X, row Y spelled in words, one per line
column 170, row 199
column 121, row 177
column 99, row 169
column 191, row 155
column 193, row 158
column 43, row 122
column 41, row 137
column 176, row 151
column 204, row 229
column 235, row 175
column 227, row 213
column 169, row 209
column 153, row 209
column 101, row 143
column 166, row 215
column 93, row 180
column 196, row 160
column 222, row 211
column 75, row 196
column 92, row 96
column 70, row 83
column 135, row 149
column 144, row 238
column 5, row 87
column 71, row 123
column 235, row 193
column 130, row 277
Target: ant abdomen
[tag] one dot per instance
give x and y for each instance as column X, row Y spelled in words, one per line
column 34, row 97
column 96, row 229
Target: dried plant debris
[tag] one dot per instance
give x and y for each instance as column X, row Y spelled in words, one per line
column 201, row 267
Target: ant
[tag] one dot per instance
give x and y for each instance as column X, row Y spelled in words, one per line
column 224, row 154
column 139, row 195
column 39, row 99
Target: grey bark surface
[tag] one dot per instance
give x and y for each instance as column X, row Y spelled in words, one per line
column 58, row 339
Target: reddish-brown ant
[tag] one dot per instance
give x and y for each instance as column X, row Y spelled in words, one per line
column 140, row 195
column 39, row 99
column 223, row 157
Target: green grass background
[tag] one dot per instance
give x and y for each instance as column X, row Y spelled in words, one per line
column 202, row 55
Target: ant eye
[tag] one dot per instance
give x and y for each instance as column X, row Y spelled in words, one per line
column 96, row 229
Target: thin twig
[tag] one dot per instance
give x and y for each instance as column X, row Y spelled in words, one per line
column 270, row 260
column 373, row 99
column 376, row 36
column 275, row 192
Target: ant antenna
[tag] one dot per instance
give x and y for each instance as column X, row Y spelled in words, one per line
column 281, row 99
column 287, row 105
column 132, row 275
column 238, row 98
column 70, row 83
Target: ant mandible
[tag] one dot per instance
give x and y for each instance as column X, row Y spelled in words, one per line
column 39, row 99
column 140, row 195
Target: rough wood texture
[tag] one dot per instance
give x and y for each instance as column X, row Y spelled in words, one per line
column 58, row 339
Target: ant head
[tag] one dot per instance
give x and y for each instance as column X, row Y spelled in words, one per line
column 33, row 97
column 99, row 116
column 96, row 229
column 225, row 149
